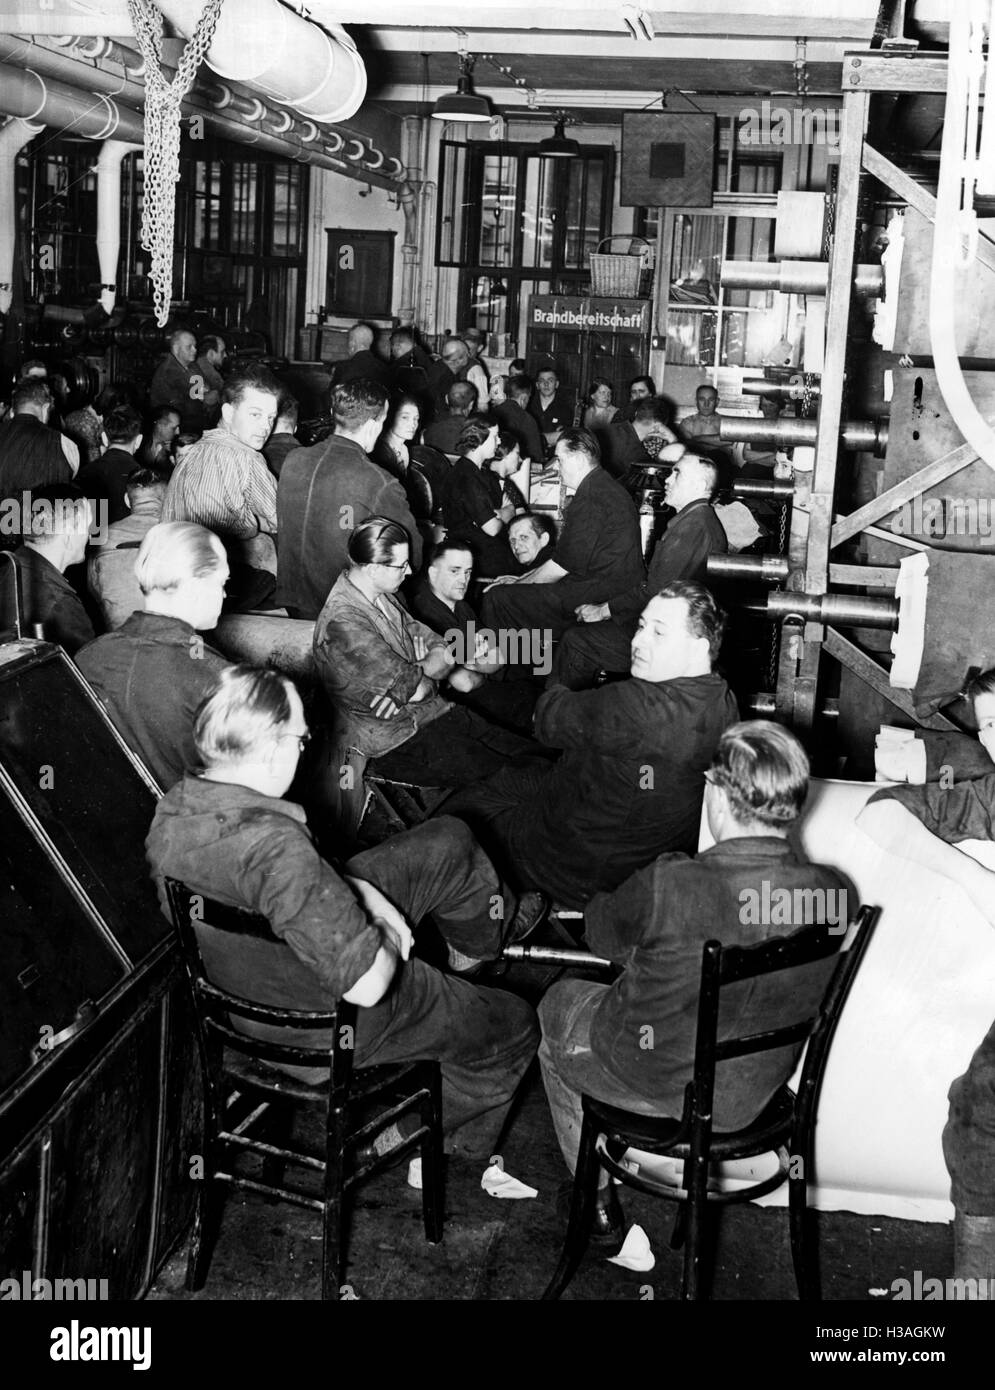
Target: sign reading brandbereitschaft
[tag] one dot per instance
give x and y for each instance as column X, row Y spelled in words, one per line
column 611, row 315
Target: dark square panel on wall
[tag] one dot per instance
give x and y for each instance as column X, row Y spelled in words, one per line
column 668, row 159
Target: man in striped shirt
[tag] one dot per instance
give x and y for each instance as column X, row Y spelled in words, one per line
column 224, row 482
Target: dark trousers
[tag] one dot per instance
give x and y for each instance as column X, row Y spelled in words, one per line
column 969, row 1134
column 587, row 648
column 569, row 1067
column 452, row 751
column 493, row 810
column 508, row 703
column 483, row 1038
column 546, row 609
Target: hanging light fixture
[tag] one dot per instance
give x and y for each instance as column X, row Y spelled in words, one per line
column 464, row 104
column 557, row 146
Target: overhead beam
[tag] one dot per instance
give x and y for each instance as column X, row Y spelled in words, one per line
column 412, row 95
column 870, row 72
column 850, row 20
column 744, row 48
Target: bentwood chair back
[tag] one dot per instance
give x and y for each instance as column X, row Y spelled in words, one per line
column 786, row 1125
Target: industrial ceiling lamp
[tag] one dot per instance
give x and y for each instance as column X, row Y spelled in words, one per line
column 464, row 104
column 557, row 146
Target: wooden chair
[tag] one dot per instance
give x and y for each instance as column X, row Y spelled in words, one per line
column 786, row 1125
column 249, row 1103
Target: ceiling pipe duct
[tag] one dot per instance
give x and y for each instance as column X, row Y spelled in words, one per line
column 112, row 155
column 303, row 143
column 13, row 137
column 25, row 93
column 287, row 58
column 131, row 61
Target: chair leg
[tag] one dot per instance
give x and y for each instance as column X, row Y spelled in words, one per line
column 679, row 1234
column 581, row 1207
column 697, row 1219
column 333, row 1244
column 206, row 1227
column 432, row 1160
column 280, row 1123
column 804, row 1242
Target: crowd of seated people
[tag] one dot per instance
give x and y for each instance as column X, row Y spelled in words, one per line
column 433, row 639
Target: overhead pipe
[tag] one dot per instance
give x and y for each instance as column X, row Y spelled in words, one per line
column 13, row 137
column 303, row 144
column 23, row 92
column 112, row 155
column 93, row 49
column 797, row 277
column 252, row 110
column 268, row 47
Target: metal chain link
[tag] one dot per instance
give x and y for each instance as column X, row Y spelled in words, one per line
column 163, row 112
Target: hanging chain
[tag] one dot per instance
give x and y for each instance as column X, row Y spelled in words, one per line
column 163, row 112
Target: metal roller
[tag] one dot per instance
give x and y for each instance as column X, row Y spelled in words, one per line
column 847, row 610
column 860, row 436
column 764, row 569
column 796, row 277
column 555, row 955
column 789, row 390
column 782, row 488
column 763, row 704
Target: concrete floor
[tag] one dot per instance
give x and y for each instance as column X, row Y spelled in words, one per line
column 506, row 1250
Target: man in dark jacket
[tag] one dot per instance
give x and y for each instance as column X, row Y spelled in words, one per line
column 55, row 525
column 362, row 364
column 32, row 454
column 597, row 554
column 632, row 1043
column 154, row 670
column 326, row 491
column 105, row 480
column 630, row 780
column 514, row 416
column 603, row 634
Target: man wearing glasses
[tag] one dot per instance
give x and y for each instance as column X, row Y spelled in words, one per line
column 228, row 833
column 384, row 671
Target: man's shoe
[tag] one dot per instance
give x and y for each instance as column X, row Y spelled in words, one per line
column 608, row 1223
column 533, row 909
column 464, row 966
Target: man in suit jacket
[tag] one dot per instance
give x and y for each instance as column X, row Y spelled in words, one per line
column 597, row 554
column 603, row 634
column 362, row 362
column 326, row 491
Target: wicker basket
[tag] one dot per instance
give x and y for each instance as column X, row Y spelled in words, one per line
column 618, row 274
